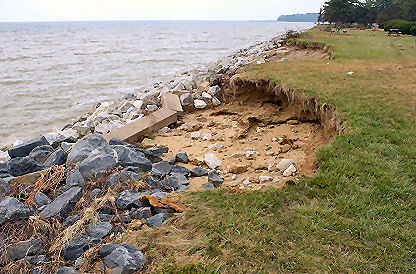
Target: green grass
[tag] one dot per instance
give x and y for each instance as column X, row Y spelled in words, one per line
column 358, row 213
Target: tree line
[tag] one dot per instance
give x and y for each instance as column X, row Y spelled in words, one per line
column 367, row 11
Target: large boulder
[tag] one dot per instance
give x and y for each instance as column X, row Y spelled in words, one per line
column 97, row 163
column 56, row 158
column 11, row 209
column 83, row 148
column 123, row 259
column 23, row 165
column 40, row 153
column 24, row 149
column 63, row 204
column 22, row 249
column 131, row 157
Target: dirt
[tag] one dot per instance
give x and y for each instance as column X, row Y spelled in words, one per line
column 248, row 123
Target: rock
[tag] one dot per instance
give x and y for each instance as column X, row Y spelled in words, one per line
column 11, row 209
column 182, row 157
column 238, row 169
column 285, row 148
column 289, row 171
column 123, row 176
column 36, row 259
column 216, row 146
column 84, row 147
column 206, row 96
column 23, row 165
column 63, row 139
column 56, row 158
column 130, row 157
column 4, row 156
column 76, row 247
column 214, row 91
column 151, row 108
column 22, row 249
column 199, row 104
column 118, row 142
column 284, row 164
column 148, row 143
column 5, row 189
column 41, row 199
column 150, row 98
column 71, row 220
column 74, row 179
column 63, row 204
column 176, row 180
column 186, row 99
column 208, row 186
column 264, row 179
column 159, row 151
column 96, row 164
column 206, row 136
column 99, row 230
column 212, row 161
column 160, row 194
column 157, row 220
column 67, row 270
column 95, row 193
column 122, row 259
column 40, row 153
column 215, row 102
column 161, row 169
column 24, row 149
column 199, row 171
column 180, row 170
column 129, row 199
column 141, row 213
column 214, row 178
column 4, row 170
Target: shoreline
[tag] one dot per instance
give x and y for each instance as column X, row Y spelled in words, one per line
column 191, row 80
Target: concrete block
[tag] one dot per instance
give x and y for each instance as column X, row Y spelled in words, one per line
column 171, row 101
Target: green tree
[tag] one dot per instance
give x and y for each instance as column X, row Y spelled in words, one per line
column 338, row 12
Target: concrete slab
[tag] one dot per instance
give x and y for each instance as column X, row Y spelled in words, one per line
column 171, row 101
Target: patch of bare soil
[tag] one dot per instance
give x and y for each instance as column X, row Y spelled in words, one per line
column 250, row 135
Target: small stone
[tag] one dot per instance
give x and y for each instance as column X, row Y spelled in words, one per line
column 292, row 122
column 212, row 160
column 141, row 213
column 56, row 158
column 284, row 164
column 21, row 249
column 157, row 220
column 76, row 247
column 151, row 108
column 186, row 99
column 40, row 153
column 67, row 270
column 199, row 104
column 208, row 186
column 11, row 209
column 215, row 102
column 129, row 199
column 195, row 135
column 180, row 170
column 122, row 259
column 74, row 179
column 285, row 148
column 199, row 171
column 99, row 230
column 289, row 171
column 206, row 136
column 63, row 204
column 214, row 91
column 41, row 199
column 148, row 143
column 95, row 193
column 264, row 179
column 182, row 157
column 238, row 169
column 215, row 179
column 206, row 95
column 216, row 146
column 161, row 169
column 70, row 220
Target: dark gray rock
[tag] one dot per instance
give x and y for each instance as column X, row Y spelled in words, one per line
column 118, row 142
column 56, row 158
column 131, row 157
column 157, row 220
column 36, row 259
column 175, row 180
column 183, row 187
column 11, row 209
column 141, row 213
column 23, row 165
column 67, row 270
column 208, row 186
column 171, row 161
column 95, row 193
column 186, row 99
column 159, row 151
column 154, row 182
column 161, row 169
column 152, row 157
column 63, row 204
column 199, row 171
column 99, row 230
column 5, row 189
column 74, row 179
column 21, row 249
column 129, row 199
column 123, row 259
column 159, row 194
column 105, row 217
column 41, row 199
column 70, row 220
column 180, row 170
column 4, row 170
column 123, row 176
column 182, row 157
column 95, row 164
column 24, row 149
column 215, row 179
column 76, row 247
column 125, row 218
column 40, row 153
column 63, row 139
column 84, row 147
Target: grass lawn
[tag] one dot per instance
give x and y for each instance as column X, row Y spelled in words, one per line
column 357, row 214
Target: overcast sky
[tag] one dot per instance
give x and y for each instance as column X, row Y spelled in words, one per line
column 75, row 10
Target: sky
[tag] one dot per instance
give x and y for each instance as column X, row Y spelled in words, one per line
column 83, row 10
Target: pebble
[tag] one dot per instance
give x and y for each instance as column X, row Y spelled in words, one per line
column 289, row 171
column 199, row 104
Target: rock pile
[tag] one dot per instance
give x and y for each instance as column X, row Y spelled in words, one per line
column 76, row 192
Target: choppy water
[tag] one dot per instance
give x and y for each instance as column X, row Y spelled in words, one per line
column 52, row 72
